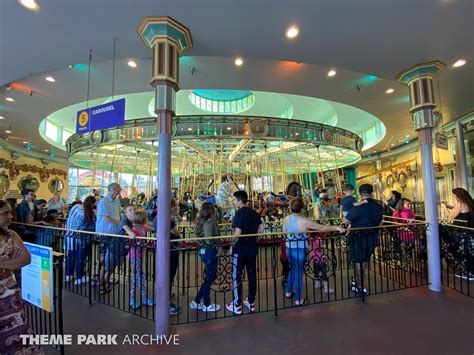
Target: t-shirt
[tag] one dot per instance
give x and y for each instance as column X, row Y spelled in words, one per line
column 23, row 211
column 111, row 208
column 366, row 215
column 173, row 245
column 347, row 203
column 247, row 220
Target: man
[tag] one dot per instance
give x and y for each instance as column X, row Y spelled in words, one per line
column 244, row 253
column 362, row 243
column 108, row 222
column 26, row 213
column 348, row 201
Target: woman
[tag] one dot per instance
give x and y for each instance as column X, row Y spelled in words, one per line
column 296, row 227
column 13, row 256
column 206, row 227
column 57, row 203
column 404, row 213
column 81, row 218
column 463, row 209
column 393, row 201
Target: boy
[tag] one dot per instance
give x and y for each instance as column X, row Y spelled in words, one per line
column 348, row 200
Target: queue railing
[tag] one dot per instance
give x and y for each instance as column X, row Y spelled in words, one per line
column 120, row 272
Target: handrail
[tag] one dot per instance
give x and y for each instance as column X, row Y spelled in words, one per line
column 459, row 227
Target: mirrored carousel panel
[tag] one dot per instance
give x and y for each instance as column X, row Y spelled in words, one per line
column 218, row 145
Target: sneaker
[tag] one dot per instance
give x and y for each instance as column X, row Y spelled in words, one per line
column 68, row 278
column 360, row 291
column 211, row 308
column 82, row 280
column 149, row 302
column 250, row 306
column 234, row 308
column 354, row 287
column 174, row 310
column 134, row 304
column 468, row 277
column 195, row 305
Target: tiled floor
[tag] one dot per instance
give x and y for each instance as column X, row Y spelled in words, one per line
column 413, row 321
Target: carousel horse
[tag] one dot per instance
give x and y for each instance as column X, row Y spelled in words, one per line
column 272, row 205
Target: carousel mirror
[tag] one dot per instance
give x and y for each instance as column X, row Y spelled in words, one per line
column 402, row 180
column 56, row 185
column 4, row 184
column 28, row 182
column 390, row 181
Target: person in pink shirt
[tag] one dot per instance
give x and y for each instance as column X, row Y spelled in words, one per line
column 135, row 255
column 404, row 213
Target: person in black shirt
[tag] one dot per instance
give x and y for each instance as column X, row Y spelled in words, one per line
column 362, row 243
column 244, row 253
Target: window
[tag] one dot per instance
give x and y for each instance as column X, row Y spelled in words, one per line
column 66, row 135
column 51, row 131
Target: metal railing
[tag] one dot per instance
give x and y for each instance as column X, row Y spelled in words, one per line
column 120, row 272
column 457, row 253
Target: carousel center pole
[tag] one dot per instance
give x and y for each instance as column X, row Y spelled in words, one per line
column 168, row 39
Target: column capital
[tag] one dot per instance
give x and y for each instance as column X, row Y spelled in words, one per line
column 419, row 70
column 152, row 28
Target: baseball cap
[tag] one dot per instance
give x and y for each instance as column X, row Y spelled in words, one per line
column 366, row 189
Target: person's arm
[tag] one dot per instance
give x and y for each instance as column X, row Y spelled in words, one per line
column 21, row 255
column 455, row 211
column 307, row 224
column 129, row 231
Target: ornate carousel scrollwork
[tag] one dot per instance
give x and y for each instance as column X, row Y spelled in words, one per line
column 224, row 280
column 457, row 249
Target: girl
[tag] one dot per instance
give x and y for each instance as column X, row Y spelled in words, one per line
column 404, row 213
column 206, row 226
column 135, row 255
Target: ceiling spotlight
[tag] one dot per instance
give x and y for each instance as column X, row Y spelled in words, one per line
column 393, row 144
column 292, row 32
column 389, row 91
column 239, row 61
column 70, row 66
column 9, row 130
column 50, row 79
column 32, row 5
column 2, row 118
column 190, row 129
column 132, row 64
column 229, row 128
column 459, row 63
column 46, row 150
column 331, row 73
column 8, row 86
column 24, row 142
column 10, row 99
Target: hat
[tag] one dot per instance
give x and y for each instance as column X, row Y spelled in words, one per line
column 366, row 189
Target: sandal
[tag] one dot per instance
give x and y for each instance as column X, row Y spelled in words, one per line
column 289, row 295
column 302, row 303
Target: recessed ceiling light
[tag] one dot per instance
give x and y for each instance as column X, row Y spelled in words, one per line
column 24, row 142
column 297, row 134
column 393, row 144
column 331, row 73
column 374, row 151
column 132, row 64
column 292, row 32
column 50, row 79
column 389, row 91
column 229, row 128
column 239, row 61
column 459, row 63
column 10, row 99
column 70, row 66
column 30, row 4
column 2, row 118
column 190, row 129
column 407, row 136
column 46, row 150
column 9, row 130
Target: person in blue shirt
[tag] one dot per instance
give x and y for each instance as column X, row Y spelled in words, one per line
column 348, row 200
column 107, row 222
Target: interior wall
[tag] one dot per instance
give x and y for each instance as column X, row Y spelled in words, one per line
column 43, row 191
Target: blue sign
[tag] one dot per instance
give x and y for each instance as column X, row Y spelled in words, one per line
column 101, row 117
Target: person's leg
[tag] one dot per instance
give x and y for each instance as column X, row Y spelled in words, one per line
column 237, row 269
column 204, row 258
column 210, row 274
column 141, row 279
column 251, row 267
column 70, row 262
column 299, row 259
column 174, row 263
column 80, row 262
column 291, row 276
column 133, row 281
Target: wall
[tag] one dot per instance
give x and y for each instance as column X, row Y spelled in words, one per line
column 43, row 190
column 392, row 167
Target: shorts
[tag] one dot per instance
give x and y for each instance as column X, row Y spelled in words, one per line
column 115, row 256
column 361, row 248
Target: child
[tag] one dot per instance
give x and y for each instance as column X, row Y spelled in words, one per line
column 319, row 263
column 348, row 200
column 135, row 254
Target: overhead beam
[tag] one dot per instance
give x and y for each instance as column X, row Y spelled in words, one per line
column 196, row 148
column 243, row 143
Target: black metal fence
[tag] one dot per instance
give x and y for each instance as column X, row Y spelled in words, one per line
column 50, row 323
column 120, row 271
column 457, row 253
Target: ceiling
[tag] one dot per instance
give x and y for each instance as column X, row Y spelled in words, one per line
column 368, row 42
